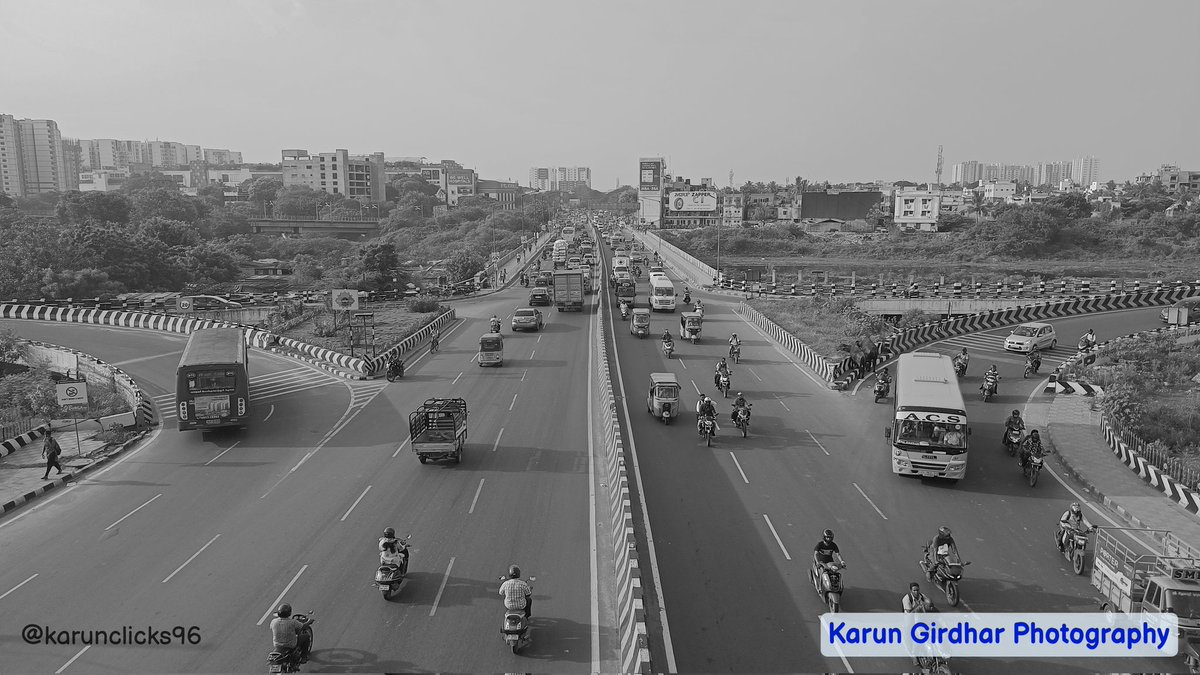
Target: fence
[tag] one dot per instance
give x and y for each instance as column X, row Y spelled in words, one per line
column 14, row 428
column 1157, row 454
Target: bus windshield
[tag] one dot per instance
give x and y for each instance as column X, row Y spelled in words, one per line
column 931, row 436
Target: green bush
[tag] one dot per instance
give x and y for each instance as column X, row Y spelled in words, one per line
column 115, row 434
column 423, row 304
column 827, row 326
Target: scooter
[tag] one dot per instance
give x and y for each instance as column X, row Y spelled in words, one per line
column 708, row 429
column 882, row 389
column 1012, row 441
column 960, row 367
column 828, row 584
column 1077, row 541
column 989, row 387
column 390, row 578
column 289, row 661
column 668, row 348
column 515, row 628
column 624, row 310
column 946, row 574
column 395, row 370
column 1031, row 469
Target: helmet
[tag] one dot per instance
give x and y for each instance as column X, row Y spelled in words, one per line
column 914, row 586
column 722, row 359
column 514, row 572
column 964, row 350
column 1034, row 433
column 389, row 532
column 707, row 399
column 739, row 394
column 733, row 335
column 944, row 531
column 827, row 534
column 1016, row 413
column 1075, row 507
column 284, row 611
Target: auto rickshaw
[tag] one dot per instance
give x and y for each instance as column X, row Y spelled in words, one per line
column 640, row 325
column 689, row 326
column 491, row 349
column 663, row 399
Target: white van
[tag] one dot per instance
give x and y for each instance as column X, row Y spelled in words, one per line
column 662, row 294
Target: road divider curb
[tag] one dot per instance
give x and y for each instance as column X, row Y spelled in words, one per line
column 17, row 442
column 824, row 368
column 66, row 477
column 631, row 613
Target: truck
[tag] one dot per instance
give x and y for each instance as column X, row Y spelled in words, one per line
column 438, row 429
column 568, row 290
column 1166, row 579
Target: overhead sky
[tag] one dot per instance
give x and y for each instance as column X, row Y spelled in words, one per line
column 832, row 90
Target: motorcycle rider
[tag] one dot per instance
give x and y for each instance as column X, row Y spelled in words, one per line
column 666, row 338
column 705, row 408
column 389, row 537
column 435, row 342
column 936, row 553
column 1072, row 521
column 397, row 364
column 721, row 369
column 735, row 343
column 826, row 552
column 1088, row 340
column 495, row 324
column 739, row 402
column 991, row 378
column 1034, row 360
column 962, row 359
column 517, row 594
column 394, row 554
column 1013, row 421
column 884, row 378
column 1029, row 447
column 288, row 634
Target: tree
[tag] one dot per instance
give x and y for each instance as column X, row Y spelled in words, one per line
column 164, row 203
column 305, row 269
column 478, row 201
column 978, row 202
column 464, row 264
column 1072, row 205
column 210, row 262
column 85, row 283
column 6, row 201
column 774, row 188
column 12, row 349
column 104, row 207
column 380, row 259
column 262, row 189
column 176, row 235
column 227, row 221
column 298, row 200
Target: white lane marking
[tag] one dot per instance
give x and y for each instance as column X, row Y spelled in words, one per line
column 683, row 364
column 456, row 379
column 473, row 357
column 72, row 659
column 514, row 403
column 523, row 374
column 153, row 435
column 843, row 658
column 668, row 646
column 860, row 491
column 272, row 412
column 539, row 339
column 497, row 443
column 185, row 562
column 783, row 404
column 814, row 439
column 476, row 499
column 271, row 609
column 593, row 559
column 356, row 501
column 739, row 467
column 777, row 539
column 401, row 447
column 442, row 588
column 754, row 374
column 531, row 354
column 778, row 348
column 698, row 392
column 6, row 594
column 235, row 444
column 133, row 512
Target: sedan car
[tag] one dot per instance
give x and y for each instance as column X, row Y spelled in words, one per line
column 539, row 296
column 527, row 319
column 1027, row 336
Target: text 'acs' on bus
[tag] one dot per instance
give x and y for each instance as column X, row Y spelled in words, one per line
column 212, row 384
column 928, row 435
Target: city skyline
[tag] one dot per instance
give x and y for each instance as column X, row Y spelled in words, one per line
column 750, row 88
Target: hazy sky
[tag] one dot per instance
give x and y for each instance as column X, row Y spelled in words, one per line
column 837, row 90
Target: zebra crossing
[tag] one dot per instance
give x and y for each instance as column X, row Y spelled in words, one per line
column 276, row 384
column 990, row 347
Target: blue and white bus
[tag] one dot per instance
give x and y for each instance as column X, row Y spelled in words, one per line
column 929, row 432
column 662, row 294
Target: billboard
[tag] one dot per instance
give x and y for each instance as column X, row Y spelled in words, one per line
column 650, row 175
column 692, row 201
column 460, row 178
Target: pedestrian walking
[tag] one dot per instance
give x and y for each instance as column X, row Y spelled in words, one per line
column 51, row 451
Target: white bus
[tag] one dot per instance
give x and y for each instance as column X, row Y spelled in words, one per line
column 929, row 432
column 662, row 294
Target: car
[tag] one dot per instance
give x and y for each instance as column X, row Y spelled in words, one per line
column 1027, row 336
column 1193, row 306
column 539, row 296
column 527, row 319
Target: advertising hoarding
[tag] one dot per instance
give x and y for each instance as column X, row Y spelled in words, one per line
column 650, row 175
column 459, row 178
column 692, row 201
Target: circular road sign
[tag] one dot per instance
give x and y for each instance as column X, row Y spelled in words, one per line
column 72, row 392
column 185, row 303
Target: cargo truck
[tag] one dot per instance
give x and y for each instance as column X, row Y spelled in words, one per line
column 438, row 429
column 568, row 290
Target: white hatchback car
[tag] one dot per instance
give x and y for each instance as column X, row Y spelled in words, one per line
column 1027, row 336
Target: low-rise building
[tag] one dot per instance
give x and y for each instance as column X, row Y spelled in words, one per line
column 733, row 209
column 503, row 192
column 917, row 210
column 102, row 180
column 999, row 190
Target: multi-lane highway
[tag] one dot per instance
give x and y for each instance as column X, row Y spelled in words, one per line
column 215, row 531
column 734, row 525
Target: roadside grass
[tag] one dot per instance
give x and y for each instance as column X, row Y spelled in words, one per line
column 393, row 321
column 829, row 326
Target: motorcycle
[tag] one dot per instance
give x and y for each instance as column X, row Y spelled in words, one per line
column 1085, row 348
column 515, row 628
column 1012, row 441
column 723, row 384
column 741, row 419
column 934, row 665
column 687, row 298
column 395, row 370
column 390, row 578
column 495, row 326
column 946, row 574
column 960, row 367
column 882, row 389
column 624, row 310
column 990, row 385
column 667, row 348
column 708, row 429
column 1077, row 541
column 1032, row 367
column 289, row 661
column 1032, row 468
column 735, row 353
column 828, row 583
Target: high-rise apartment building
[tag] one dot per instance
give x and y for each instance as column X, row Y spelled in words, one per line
column 359, row 177
column 539, row 178
column 167, row 154
column 31, row 157
column 109, row 153
column 72, row 162
column 1053, row 173
column 564, row 178
column 1085, row 170
column 966, row 173
column 222, row 157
